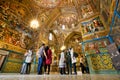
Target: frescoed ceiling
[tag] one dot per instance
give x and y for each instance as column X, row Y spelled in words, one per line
column 61, row 17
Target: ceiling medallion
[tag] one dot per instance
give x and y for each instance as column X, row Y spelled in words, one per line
column 68, row 19
column 48, row 3
column 69, row 16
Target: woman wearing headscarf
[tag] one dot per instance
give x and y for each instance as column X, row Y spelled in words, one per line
column 62, row 62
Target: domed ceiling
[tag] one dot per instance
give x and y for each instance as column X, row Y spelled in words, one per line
column 59, row 17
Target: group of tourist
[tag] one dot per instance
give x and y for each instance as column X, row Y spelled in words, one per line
column 44, row 59
column 44, row 55
column 67, row 61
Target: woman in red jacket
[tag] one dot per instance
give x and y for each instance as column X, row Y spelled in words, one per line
column 48, row 61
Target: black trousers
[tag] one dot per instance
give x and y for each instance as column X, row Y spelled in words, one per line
column 62, row 71
column 28, row 68
column 82, row 68
column 47, row 67
column 74, row 67
column 69, row 68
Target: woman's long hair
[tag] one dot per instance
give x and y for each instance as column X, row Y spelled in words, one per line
column 46, row 49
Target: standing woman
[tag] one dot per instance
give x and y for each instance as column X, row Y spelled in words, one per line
column 48, row 61
column 28, row 61
column 23, row 69
column 62, row 62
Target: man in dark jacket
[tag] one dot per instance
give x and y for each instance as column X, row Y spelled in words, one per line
column 68, row 62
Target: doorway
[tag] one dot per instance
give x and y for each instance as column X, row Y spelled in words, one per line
column 3, row 55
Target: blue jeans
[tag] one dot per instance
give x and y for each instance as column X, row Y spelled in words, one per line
column 40, row 64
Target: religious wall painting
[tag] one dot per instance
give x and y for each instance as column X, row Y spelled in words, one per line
column 115, row 55
column 28, row 42
column 86, row 10
column 96, row 3
column 15, row 56
column 91, row 26
column 118, row 9
column 13, row 14
column 4, row 4
column 106, row 4
column 11, row 37
column 116, row 25
column 5, row 9
column 18, row 9
column 117, row 40
column 106, row 10
column 9, row 17
column 115, row 31
column 21, row 12
column 1, row 33
column 4, row 33
column 96, row 47
column 105, row 15
column 116, row 22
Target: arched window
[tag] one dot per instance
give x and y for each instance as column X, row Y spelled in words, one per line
column 50, row 36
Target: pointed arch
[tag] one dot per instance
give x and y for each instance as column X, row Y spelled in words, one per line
column 71, row 35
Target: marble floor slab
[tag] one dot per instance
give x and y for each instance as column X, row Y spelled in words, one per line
column 59, row 77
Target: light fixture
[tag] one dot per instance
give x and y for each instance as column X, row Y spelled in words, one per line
column 63, row 47
column 63, row 27
column 34, row 24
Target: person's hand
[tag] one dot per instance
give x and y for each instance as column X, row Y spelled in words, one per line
column 46, row 57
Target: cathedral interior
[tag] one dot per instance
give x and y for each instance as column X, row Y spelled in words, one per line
column 90, row 27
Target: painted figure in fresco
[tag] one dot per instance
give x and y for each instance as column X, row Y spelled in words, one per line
column 5, row 5
column 13, row 37
column 7, row 38
column 22, row 41
column 41, row 54
column 17, row 41
column 118, row 40
column 92, row 26
column 97, row 25
column 86, row 10
column 1, row 33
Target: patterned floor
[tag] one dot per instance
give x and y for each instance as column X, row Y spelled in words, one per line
column 58, row 77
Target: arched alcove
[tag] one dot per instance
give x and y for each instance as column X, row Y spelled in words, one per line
column 73, row 40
